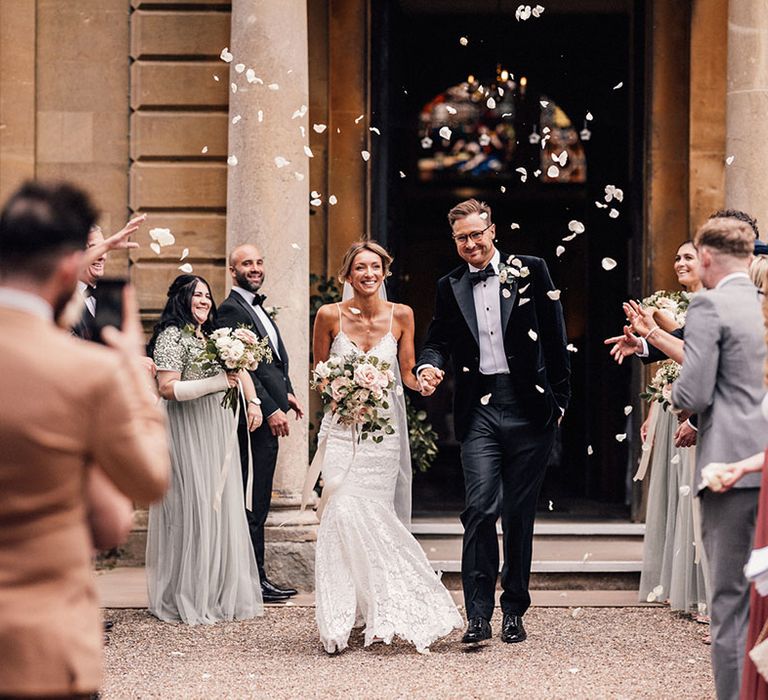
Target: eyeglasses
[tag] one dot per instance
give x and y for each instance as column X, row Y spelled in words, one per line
column 476, row 236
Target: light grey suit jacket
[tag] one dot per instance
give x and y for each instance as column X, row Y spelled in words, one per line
column 722, row 375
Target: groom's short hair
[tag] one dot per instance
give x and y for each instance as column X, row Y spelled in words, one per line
column 467, row 207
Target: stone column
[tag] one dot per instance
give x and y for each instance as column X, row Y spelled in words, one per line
column 747, row 105
column 268, row 204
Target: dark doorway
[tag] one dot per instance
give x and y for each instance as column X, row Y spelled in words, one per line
column 587, row 57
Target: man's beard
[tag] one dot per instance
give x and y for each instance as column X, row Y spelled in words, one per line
column 244, row 283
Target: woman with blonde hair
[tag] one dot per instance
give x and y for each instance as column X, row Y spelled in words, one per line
column 369, row 569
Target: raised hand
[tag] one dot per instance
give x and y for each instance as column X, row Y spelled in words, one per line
column 120, row 240
column 624, row 345
column 639, row 317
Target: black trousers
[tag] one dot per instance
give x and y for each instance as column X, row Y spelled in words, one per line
column 264, row 451
column 504, row 459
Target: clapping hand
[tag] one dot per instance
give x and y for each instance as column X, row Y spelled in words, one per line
column 624, row 345
column 429, row 379
column 639, row 317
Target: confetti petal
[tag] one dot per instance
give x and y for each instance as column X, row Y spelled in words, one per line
column 532, row 334
column 319, row 128
column 614, row 213
column 234, row 87
column 627, row 410
column 225, row 55
column 540, row 389
column 426, row 142
column 576, row 226
column 295, row 246
column 559, row 250
column 553, row 171
column 463, row 41
column 186, row 267
column 451, row 110
column 402, row 174
column 590, row 451
column 618, row 86
column 232, row 160
column 281, row 162
column 551, row 506
column 506, row 293
column 445, row 133
column 300, row 112
column 523, row 301
column 554, row 294
column 490, row 103
column 332, row 200
column 685, row 490
column 273, row 86
column 621, row 437
column 315, row 202
column 239, row 68
column 675, row 459
column 514, row 226
column 155, row 247
column 354, row 310
column 308, row 152
column 729, row 160
column 374, row 130
column 485, row 400
column 366, row 155
column 163, row 236
column 184, row 253
column 571, row 348
column 608, row 263
column 204, row 149
column 589, row 116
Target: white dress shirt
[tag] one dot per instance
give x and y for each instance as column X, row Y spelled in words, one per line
column 487, row 295
column 26, row 301
column 263, row 317
column 90, row 301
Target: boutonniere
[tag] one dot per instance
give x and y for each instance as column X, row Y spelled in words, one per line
column 271, row 311
column 510, row 270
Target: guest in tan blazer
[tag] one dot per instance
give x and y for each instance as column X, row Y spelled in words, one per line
column 64, row 404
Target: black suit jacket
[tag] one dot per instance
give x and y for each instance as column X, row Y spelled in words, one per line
column 84, row 328
column 271, row 378
column 543, row 362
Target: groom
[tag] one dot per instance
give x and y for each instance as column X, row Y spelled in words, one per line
column 244, row 306
column 498, row 318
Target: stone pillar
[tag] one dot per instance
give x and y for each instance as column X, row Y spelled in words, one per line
column 747, row 105
column 268, row 204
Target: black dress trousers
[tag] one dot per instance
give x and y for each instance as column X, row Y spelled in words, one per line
column 504, row 457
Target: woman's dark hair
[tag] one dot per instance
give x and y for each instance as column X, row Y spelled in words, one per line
column 178, row 308
column 690, row 242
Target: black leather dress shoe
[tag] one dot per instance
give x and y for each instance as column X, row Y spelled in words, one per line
column 270, row 596
column 108, row 625
column 512, row 629
column 478, row 630
column 277, row 590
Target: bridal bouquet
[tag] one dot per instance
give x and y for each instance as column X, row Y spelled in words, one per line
column 672, row 304
column 660, row 388
column 354, row 389
column 232, row 350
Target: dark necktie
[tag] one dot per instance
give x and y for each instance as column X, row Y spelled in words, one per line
column 482, row 275
column 259, row 299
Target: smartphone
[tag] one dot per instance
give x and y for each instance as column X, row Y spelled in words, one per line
column 109, row 306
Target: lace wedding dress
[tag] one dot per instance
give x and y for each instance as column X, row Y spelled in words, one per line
column 369, row 569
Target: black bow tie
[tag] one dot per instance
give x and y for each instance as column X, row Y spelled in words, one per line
column 88, row 291
column 482, row 275
column 259, row 299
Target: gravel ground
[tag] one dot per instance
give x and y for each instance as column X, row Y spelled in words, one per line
column 582, row 653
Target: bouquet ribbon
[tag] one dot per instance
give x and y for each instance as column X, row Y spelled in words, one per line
column 224, row 468
column 645, row 459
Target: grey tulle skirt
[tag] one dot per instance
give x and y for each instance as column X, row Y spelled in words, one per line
column 669, row 553
column 200, row 562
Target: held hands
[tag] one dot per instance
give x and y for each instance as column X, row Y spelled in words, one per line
column 255, row 417
column 429, row 379
column 685, row 435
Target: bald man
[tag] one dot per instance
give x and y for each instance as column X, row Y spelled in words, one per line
column 244, row 307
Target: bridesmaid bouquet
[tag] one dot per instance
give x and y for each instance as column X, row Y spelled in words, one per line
column 232, row 350
column 660, row 388
column 354, row 389
column 672, row 304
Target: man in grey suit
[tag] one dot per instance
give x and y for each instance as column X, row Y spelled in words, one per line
column 722, row 381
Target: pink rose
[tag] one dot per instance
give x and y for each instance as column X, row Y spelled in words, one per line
column 248, row 337
column 339, row 388
column 366, row 376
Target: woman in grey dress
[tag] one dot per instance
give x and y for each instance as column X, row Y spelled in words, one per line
column 200, row 562
column 670, row 571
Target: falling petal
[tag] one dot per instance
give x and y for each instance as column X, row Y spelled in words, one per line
column 225, row 55
column 675, row 459
column 514, row 226
column 359, row 119
column 585, row 134
column 506, row 293
column 553, row 171
column 332, row 200
column 273, row 86
column 314, row 194
column 576, row 226
column 608, row 263
column 163, row 236
column 232, row 160
column 523, row 301
column 399, row 390
column 627, row 410
column 308, row 152
column 502, row 189
column 445, row 133
column 463, row 41
column 536, row 173
column 204, row 150
column 281, row 162
column 621, row 437
column 484, row 140
column 186, row 267
column 319, row 128
column 239, row 68
column 374, row 130
column 234, row 87
column 260, row 115
column 485, row 400
column 685, row 490
column 729, row 160
column 300, row 112
column 365, row 154
column 251, row 77
column 402, row 174
column 236, row 119
column 589, row 116
column 537, row 11
column 155, row 247
column 544, row 104
column 184, row 253
column 491, row 103
column 576, row 613
column 298, row 176
column 532, row 334
column 216, row 78
column 540, row 389
column 523, row 174
column 451, row 110
column 569, row 238
column 590, row 451
column 614, row 213
column 618, row 86
column 295, row 246
column 554, row 294
column 354, row 310
column 559, row 250
column 561, row 159
column 571, row 348
column 303, row 132
column 315, row 202
column 206, row 676
column 465, row 369
column 551, row 506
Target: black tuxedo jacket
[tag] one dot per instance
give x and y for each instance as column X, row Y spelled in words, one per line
column 543, row 362
column 270, row 378
column 84, row 328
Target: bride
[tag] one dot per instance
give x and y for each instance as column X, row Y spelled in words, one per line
column 369, row 570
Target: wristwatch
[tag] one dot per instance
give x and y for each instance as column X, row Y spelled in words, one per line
column 255, row 401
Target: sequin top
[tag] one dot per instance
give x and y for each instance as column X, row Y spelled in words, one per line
column 179, row 351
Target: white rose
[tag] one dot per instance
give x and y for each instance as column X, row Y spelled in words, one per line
column 322, row 370
column 236, row 350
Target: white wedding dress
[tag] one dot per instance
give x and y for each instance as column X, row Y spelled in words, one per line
column 369, row 569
